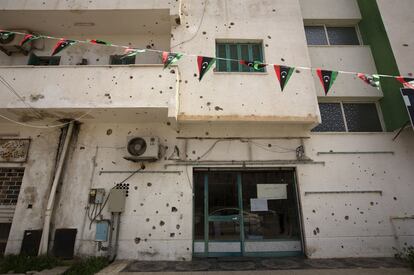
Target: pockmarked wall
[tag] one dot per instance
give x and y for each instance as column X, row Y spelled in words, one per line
column 157, row 222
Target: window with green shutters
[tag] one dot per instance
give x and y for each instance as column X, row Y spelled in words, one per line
column 238, row 51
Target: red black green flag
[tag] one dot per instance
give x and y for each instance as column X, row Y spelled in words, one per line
column 283, row 73
column 62, row 44
column 406, row 81
column 170, row 58
column 132, row 52
column 100, row 42
column 28, row 38
column 327, row 78
column 372, row 80
column 257, row 65
column 204, row 64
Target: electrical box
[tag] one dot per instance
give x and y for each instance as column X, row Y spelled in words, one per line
column 96, row 196
column 116, row 201
column 101, row 234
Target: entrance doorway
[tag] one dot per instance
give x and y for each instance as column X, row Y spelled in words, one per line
column 246, row 213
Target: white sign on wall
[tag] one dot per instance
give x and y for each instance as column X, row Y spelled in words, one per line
column 272, row 191
column 258, row 205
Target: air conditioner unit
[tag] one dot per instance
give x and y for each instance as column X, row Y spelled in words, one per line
column 143, row 149
column 10, row 43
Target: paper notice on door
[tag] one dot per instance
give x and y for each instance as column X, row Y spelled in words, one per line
column 258, row 205
column 272, row 191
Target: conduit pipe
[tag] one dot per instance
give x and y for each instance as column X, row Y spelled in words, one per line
column 43, row 247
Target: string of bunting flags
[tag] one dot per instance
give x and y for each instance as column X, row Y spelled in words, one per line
column 283, row 72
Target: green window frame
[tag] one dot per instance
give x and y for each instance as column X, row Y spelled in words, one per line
column 238, row 51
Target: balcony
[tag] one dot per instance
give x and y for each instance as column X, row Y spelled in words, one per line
column 345, row 58
column 114, row 93
column 81, row 7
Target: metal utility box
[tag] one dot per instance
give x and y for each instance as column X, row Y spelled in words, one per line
column 116, row 201
column 101, row 234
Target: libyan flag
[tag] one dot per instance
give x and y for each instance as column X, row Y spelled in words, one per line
column 62, row 44
column 327, row 79
column 406, row 81
column 283, row 74
column 408, row 96
column 204, row 64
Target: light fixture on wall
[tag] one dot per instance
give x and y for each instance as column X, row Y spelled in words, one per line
column 84, row 24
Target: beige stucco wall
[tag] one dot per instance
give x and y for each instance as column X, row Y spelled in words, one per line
column 328, row 10
column 366, row 232
column 398, row 20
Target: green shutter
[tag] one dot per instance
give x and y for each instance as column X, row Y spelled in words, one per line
column 238, row 51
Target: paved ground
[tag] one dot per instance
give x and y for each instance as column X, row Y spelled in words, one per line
column 277, row 266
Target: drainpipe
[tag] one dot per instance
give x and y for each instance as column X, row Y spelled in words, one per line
column 43, row 247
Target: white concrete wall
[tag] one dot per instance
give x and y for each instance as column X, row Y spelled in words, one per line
column 358, row 225
column 398, row 19
column 345, row 58
column 36, row 182
column 323, row 10
column 349, row 224
column 255, row 97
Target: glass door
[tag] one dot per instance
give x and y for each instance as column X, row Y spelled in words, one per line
column 224, row 231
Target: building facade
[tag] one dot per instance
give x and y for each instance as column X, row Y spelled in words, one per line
column 235, row 166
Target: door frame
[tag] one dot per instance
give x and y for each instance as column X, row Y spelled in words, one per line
column 242, row 253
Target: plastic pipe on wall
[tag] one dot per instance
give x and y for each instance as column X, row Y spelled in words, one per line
column 43, row 247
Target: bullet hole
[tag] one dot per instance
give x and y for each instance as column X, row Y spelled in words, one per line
column 149, row 184
column 168, row 123
column 156, row 212
column 108, row 96
column 194, row 152
column 346, row 217
column 314, row 232
column 145, row 240
column 313, row 211
column 273, row 10
column 147, row 219
column 218, row 108
column 405, row 45
column 134, row 210
column 342, row 246
column 131, row 77
column 82, row 148
column 148, row 46
column 167, row 205
column 160, row 92
column 177, row 226
column 162, row 223
column 135, row 187
column 282, row 59
column 153, row 228
column 333, row 214
column 185, row 81
column 269, row 145
column 266, row 45
column 204, row 33
column 269, row 37
column 395, row 198
column 297, row 71
column 188, row 249
column 208, row 103
column 170, row 88
column 160, row 76
column 362, row 212
column 108, row 132
column 152, row 88
column 137, row 240
column 30, row 206
column 174, row 209
column 172, row 235
column 201, row 96
column 149, row 235
column 371, row 203
column 172, row 71
column 141, row 204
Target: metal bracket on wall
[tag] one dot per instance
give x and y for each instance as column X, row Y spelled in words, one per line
column 140, row 172
column 357, row 153
column 244, row 163
column 343, row 192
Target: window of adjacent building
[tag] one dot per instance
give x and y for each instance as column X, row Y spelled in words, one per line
column 349, row 117
column 43, row 60
column 325, row 35
column 121, row 60
column 238, row 51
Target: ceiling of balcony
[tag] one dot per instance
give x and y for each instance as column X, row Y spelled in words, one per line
column 108, row 22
